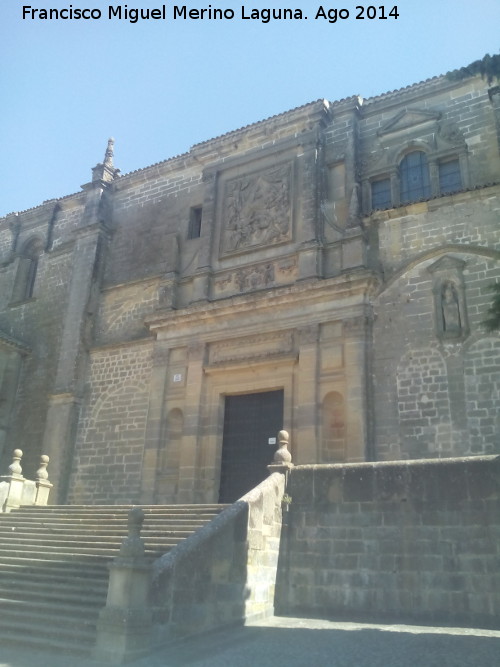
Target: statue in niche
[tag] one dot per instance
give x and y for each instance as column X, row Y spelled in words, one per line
column 450, row 309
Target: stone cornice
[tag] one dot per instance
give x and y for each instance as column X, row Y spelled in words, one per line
column 211, row 319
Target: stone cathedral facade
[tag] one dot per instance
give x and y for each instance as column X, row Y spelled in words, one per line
column 325, row 271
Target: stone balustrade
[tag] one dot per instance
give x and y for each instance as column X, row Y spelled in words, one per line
column 223, row 574
column 16, row 490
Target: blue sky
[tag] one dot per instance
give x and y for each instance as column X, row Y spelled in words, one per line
column 159, row 86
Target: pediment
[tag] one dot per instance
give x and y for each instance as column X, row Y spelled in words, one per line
column 408, row 119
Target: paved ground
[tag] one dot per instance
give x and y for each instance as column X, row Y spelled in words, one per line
column 293, row 642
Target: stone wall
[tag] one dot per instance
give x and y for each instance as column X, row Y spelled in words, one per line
column 414, row 541
column 425, row 397
column 35, row 322
column 110, row 441
column 226, row 572
column 269, row 230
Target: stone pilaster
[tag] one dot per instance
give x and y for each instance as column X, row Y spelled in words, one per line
column 90, row 240
column 202, row 277
column 310, row 254
column 494, row 95
column 306, row 396
column 10, row 366
column 154, row 423
column 356, row 345
column 188, row 466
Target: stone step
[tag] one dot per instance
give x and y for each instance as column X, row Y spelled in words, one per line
column 54, row 566
column 40, row 509
column 63, row 614
column 67, row 533
column 116, row 511
column 91, row 540
column 55, row 527
column 44, row 628
column 74, row 564
column 43, row 567
column 83, row 554
column 112, row 521
column 93, row 522
column 45, row 591
column 16, row 634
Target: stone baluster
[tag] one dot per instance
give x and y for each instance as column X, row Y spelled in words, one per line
column 43, row 485
column 282, row 460
column 282, row 463
column 15, row 482
column 124, row 628
column 15, row 467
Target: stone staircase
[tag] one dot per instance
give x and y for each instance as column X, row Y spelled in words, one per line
column 53, row 566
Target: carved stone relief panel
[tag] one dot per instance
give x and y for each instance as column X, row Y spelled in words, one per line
column 257, row 276
column 260, row 346
column 257, row 209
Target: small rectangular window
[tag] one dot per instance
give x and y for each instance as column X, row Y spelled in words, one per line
column 381, row 194
column 450, row 179
column 194, row 230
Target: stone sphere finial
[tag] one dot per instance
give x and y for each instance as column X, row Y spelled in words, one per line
column 41, row 473
column 15, row 466
column 282, row 455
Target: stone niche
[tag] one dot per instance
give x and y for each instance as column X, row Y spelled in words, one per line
column 450, row 310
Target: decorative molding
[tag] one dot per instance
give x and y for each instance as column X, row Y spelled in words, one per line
column 356, row 326
column 251, row 347
column 257, row 276
column 309, row 334
column 167, row 295
column 408, row 119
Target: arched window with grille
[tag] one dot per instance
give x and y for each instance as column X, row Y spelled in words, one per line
column 414, row 177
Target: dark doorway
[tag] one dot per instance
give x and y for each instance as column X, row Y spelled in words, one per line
column 251, row 422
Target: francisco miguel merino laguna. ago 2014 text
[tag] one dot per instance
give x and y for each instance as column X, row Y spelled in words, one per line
column 183, row 12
